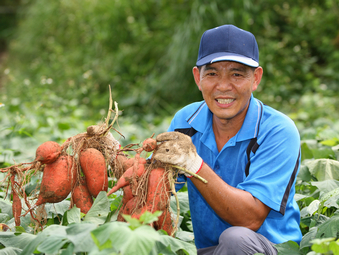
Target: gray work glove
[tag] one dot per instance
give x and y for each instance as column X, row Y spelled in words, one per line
column 177, row 149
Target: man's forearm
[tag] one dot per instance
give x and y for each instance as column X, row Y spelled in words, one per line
column 235, row 206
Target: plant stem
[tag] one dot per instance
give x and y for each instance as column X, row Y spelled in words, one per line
column 171, row 179
column 110, row 106
column 191, row 173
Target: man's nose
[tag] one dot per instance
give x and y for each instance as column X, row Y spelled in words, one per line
column 224, row 84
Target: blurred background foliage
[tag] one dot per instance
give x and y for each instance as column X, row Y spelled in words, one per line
column 58, row 59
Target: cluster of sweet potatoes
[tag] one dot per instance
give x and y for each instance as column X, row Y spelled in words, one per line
column 61, row 176
column 146, row 187
column 83, row 173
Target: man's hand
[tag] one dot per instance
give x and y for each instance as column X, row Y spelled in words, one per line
column 177, row 149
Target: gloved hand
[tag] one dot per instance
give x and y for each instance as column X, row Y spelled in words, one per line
column 177, row 149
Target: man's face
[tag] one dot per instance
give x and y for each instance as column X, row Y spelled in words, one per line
column 227, row 87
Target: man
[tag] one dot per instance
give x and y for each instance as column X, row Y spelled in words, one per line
column 248, row 152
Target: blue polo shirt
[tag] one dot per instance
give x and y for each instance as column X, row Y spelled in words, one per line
column 272, row 172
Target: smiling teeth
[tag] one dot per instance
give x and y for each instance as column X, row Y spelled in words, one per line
column 225, row 101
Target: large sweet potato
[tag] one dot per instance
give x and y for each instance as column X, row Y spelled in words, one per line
column 57, row 181
column 93, row 165
column 81, row 197
column 48, row 152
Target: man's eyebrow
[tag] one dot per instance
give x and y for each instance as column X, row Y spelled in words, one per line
column 239, row 69
column 209, row 67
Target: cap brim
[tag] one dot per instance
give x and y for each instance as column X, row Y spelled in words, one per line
column 217, row 57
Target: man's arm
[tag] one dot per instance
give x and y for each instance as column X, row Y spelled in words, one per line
column 235, row 206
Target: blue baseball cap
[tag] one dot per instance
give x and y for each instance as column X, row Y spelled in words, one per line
column 228, row 43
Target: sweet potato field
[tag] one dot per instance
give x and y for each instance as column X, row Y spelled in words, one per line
column 57, row 204
column 91, row 195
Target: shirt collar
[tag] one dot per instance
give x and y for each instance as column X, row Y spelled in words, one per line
column 249, row 128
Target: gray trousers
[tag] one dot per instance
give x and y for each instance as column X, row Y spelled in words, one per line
column 240, row 241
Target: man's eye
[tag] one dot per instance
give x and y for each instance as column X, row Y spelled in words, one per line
column 211, row 74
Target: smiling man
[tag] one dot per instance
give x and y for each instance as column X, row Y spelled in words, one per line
column 248, row 152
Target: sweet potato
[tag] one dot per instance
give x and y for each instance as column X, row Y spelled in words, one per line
column 16, row 205
column 81, row 197
column 127, row 208
column 157, row 190
column 16, row 208
column 93, row 165
column 157, row 200
column 164, row 222
column 150, row 144
column 57, row 181
column 126, row 177
column 127, row 194
column 48, row 152
column 130, row 162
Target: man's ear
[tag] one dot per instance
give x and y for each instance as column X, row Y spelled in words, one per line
column 196, row 75
column 257, row 77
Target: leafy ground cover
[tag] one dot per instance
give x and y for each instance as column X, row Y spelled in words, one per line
column 68, row 231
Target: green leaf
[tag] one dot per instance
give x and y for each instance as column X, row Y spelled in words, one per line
column 324, row 169
column 133, row 222
column 10, row 251
column 138, row 241
column 304, row 174
column 6, row 208
column 4, row 217
column 64, row 126
column 306, row 152
column 125, row 240
column 99, row 210
column 330, row 198
column 329, row 228
column 73, row 215
column 308, row 237
column 185, row 236
column 68, row 251
column 317, row 218
column 57, row 208
column 334, row 247
column 30, row 247
column 183, row 203
column 323, row 153
column 309, row 210
column 298, row 197
column 101, row 234
column 330, row 142
column 80, row 235
column 52, row 244
column 321, row 245
column 326, row 186
column 10, row 239
column 116, row 203
column 177, row 245
column 288, row 248
column 148, row 217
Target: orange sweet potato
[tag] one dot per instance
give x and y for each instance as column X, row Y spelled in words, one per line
column 48, row 152
column 157, row 190
column 126, row 177
column 157, row 200
column 16, row 205
column 150, row 144
column 93, row 165
column 57, row 181
column 128, row 207
column 130, row 162
column 81, row 197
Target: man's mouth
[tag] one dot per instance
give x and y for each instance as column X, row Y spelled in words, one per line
column 225, row 101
